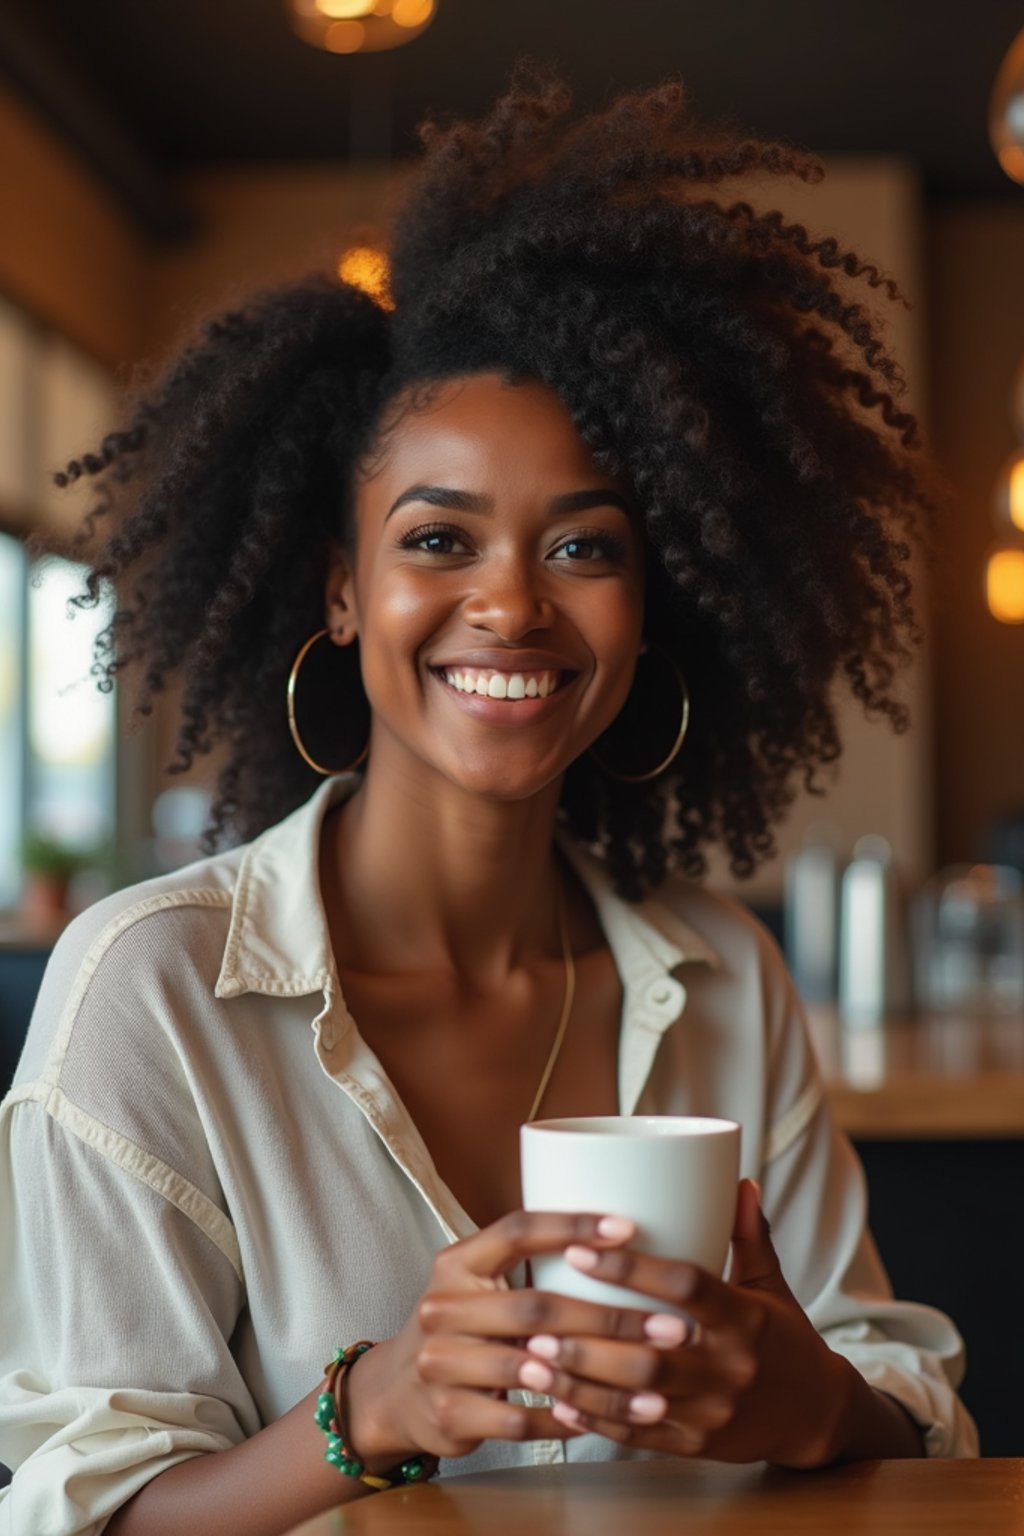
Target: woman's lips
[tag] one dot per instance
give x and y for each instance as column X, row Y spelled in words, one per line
column 488, row 682
column 485, row 692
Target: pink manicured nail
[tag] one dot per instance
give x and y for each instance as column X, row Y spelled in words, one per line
column 565, row 1414
column 647, row 1407
column 582, row 1258
column 545, row 1345
column 535, row 1375
column 616, row 1227
column 662, row 1328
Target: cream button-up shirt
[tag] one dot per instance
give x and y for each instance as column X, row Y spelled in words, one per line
column 208, row 1183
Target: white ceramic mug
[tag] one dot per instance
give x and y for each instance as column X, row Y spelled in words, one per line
column 675, row 1176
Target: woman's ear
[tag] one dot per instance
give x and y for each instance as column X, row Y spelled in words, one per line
column 340, row 613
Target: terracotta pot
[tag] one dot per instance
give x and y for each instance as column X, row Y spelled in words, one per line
column 44, row 896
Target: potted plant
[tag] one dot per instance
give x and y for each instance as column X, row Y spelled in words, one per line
column 48, row 865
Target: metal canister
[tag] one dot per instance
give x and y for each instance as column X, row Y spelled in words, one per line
column 811, row 917
column 873, row 961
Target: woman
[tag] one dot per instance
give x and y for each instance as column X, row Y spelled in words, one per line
column 560, row 555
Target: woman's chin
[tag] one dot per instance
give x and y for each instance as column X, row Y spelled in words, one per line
column 503, row 780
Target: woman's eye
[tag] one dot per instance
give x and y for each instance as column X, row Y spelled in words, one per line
column 589, row 549
column 434, row 541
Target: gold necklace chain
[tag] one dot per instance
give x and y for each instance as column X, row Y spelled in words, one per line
column 567, row 1000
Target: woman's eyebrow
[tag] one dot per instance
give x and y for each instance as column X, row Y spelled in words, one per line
column 472, row 501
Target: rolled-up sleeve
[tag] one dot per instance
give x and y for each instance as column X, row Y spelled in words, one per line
column 815, row 1197
column 118, row 1308
column 120, row 1276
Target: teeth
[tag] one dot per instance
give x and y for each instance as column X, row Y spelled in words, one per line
column 503, row 685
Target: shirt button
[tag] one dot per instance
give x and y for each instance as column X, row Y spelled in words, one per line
column 327, row 1037
column 665, row 995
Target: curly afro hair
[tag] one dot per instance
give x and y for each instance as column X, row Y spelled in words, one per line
column 711, row 355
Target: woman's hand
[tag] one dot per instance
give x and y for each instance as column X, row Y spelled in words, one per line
column 752, row 1380
column 440, row 1385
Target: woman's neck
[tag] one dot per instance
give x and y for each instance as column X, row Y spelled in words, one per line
column 418, row 875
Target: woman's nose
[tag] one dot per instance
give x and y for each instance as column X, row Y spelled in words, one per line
column 509, row 601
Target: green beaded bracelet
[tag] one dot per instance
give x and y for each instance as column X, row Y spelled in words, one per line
column 329, row 1416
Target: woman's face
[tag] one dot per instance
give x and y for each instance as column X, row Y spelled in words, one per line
column 497, row 588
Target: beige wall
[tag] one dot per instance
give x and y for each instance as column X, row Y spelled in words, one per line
column 976, row 282
column 258, row 226
column 883, row 782
column 68, row 254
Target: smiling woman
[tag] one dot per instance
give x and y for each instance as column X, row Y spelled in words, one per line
column 560, row 559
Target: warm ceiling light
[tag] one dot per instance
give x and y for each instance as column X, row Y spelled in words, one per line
column 345, row 37
column 411, row 13
column 1006, row 111
column 344, row 10
column 1016, row 494
column 360, row 26
column 1004, row 584
column 1008, row 495
column 366, row 267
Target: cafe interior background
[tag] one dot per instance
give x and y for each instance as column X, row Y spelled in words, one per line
column 159, row 160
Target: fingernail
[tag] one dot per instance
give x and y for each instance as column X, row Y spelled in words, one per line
column 565, row 1414
column 662, row 1328
column 582, row 1258
column 757, row 1190
column 545, row 1345
column 536, row 1376
column 647, row 1407
column 615, row 1227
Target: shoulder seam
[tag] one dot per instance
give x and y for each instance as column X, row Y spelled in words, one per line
column 150, row 1170
column 198, row 897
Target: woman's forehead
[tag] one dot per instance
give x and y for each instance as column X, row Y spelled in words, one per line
column 482, row 425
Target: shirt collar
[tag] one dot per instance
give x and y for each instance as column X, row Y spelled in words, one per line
column 278, row 941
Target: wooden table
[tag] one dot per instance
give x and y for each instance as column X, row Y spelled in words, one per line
column 679, row 1498
column 928, row 1078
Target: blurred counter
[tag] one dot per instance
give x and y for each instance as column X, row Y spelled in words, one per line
column 927, row 1078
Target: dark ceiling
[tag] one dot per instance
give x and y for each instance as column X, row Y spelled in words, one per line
column 146, row 88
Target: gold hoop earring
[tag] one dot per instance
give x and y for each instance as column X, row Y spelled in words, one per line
column 684, row 723
column 293, row 724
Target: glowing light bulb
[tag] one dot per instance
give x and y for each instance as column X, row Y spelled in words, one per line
column 1008, row 493
column 1004, row 584
column 366, row 267
column 1017, row 494
column 1006, row 111
column 345, row 37
column 360, row 26
column 411, row 13
column 344, row 10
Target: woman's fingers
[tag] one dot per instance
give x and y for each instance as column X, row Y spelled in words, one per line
column 462, row 1418
column 521, row 1234
column 708, row 1300
column 685, row 1431
column 521, row 1314
column 447, row 1360
column 626, row 1370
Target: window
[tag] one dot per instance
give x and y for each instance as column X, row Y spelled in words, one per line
column 58, row 747
column 12, row 612
column 71, row 725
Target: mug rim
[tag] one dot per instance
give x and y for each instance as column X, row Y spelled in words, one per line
column 639, row 1127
